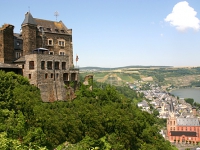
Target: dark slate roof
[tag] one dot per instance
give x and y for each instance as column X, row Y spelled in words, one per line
column 187, row 122
column 17, row 36
column 21, row 59
column 186, row 133
column 3, row 65
column 46, row 25
column 52, row 26
column 29, row 19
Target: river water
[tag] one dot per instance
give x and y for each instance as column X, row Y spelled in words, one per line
column 188, row 93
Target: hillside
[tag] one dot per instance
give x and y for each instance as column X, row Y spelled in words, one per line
column 103, row 118
column 165, row 76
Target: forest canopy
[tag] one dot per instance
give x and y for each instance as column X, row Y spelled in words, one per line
column 103, row 118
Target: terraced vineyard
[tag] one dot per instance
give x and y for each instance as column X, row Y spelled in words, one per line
column 169, row 76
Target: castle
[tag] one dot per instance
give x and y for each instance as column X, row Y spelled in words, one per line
column 42, row 52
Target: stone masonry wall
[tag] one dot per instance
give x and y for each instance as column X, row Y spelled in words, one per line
column 29, row 38
column 67, row 49
column 49, row 81
column 6, row 44
column 1, row 45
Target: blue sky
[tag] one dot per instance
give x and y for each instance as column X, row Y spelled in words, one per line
column 115, row 33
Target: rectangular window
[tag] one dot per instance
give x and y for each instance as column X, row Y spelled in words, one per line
column 62, row 53
column 51, row 75
column 31, row 65
column 17, row 55
column 56, row 65
column 49, row 65
column 57, row 75
column 46, row 76
column 62, row 31
column 73, row 76
column 49, row 29
column 42, row 65
column 50, row 42
column 61, row 43
column 29, row 76
column 65, row 77
column 63, row 65
column 51, row 53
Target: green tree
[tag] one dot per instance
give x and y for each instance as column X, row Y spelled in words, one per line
column 189, row 100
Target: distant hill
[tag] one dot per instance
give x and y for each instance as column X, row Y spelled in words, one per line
column 164, row 75
column 125, row 67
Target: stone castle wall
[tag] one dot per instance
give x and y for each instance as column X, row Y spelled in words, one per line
column 29, row 38
column 1, row 45
column 6, row 44
column 55, row 48
column 50, row 81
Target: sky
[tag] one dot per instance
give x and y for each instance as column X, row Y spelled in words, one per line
column 118, row 33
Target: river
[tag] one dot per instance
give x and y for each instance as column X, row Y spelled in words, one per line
column 188, row 93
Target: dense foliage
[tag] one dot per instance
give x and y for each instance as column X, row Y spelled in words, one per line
column 101, row 118
column 195, row 83
column 189, row 100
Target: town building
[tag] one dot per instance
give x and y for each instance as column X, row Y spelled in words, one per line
column 42, row 52
column 183, row 129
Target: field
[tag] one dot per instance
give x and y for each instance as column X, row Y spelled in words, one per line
column 169, row 76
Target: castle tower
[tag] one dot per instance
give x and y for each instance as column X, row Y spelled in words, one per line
column 6, row 44
column 29, row 29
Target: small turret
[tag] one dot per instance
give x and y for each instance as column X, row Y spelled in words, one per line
column 28, row 19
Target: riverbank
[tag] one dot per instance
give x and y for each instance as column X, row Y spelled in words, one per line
column 193, row 93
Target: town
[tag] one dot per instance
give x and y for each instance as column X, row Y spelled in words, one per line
column 182, row 124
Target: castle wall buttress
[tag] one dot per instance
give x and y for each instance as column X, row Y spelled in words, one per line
column 29, row 38
column 1, row 47
column 6, row 44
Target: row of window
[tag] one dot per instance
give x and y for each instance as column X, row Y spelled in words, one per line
column 49, row 65
column 60, row 53
column 50, row 30
column 46, row 76
column 18, row 54
column 184, row 139
column 172, row 122
column 60, row 42
column 181, row 129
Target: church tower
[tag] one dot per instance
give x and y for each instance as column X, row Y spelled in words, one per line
column 171, row 121
column 29, row 29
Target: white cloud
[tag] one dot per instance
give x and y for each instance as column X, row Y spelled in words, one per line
column 161, row 35
column 183, row 17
